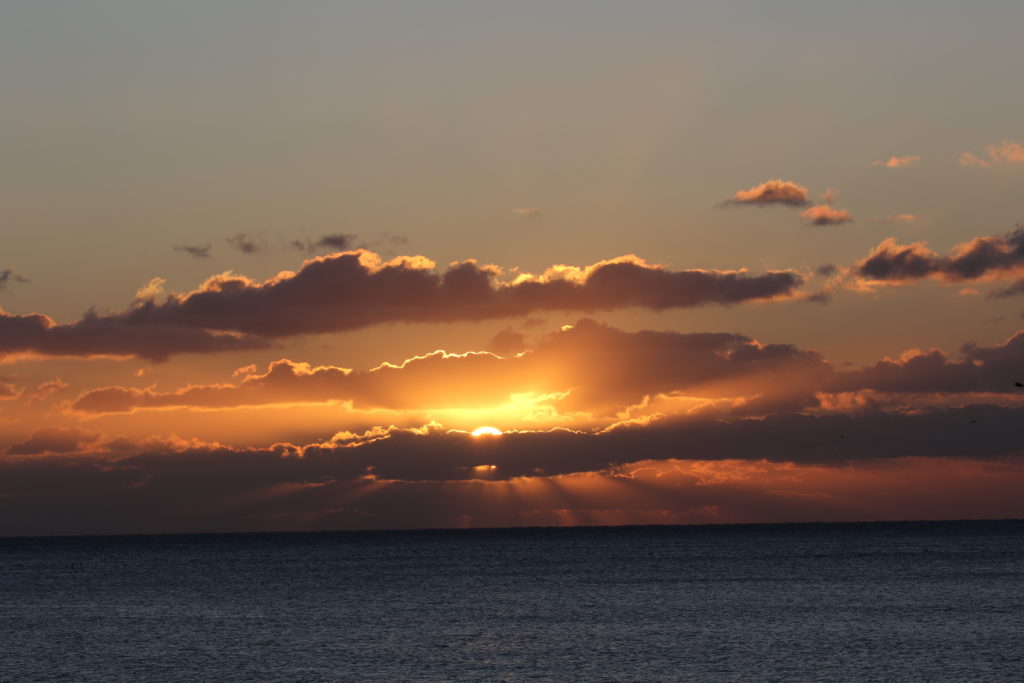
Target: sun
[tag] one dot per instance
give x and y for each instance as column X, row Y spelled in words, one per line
column 486, row 431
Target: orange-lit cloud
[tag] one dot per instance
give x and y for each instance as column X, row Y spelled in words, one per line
column 823, row 214
column 1007, row 152
column 983, row 369
column 771, row 192
column 590, row 367
column 533, row 212
column 896, row 218
column 898, row 162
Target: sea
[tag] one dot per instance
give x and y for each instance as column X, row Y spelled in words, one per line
column 924, row 601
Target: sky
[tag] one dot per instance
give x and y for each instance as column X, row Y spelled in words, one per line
column 297, row 266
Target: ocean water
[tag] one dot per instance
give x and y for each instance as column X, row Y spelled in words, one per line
column 892, row 601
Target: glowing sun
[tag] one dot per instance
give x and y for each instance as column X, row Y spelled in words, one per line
column 486, row 431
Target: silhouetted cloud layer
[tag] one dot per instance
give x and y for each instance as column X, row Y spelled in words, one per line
column 890, row 262
column 352, row 290
column 115, row 486
column 771, row 192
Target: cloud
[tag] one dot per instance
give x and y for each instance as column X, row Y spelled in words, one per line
column 1011, row 290
column 334, row 242
column 245, row 243
column 45, row 390
column 981, row 257
column 123, row 335
column 982, row 370
column 527, row 212
column 896, row 218
column 8, row 390
column 584, row 367
column 53, row 440
column 1007, row 152
column 898, row 162
column 771, row 192
column 8, row 276
column 785, row 466
column 823, row 214
column 196, row 251
column 353, row 290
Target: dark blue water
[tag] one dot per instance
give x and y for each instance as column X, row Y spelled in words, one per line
column 923, row 601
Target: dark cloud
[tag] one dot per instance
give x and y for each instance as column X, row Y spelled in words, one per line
column 600, row 370
column 245, row 243
column 980, row 257
column 352, row 290
column 53, row 440
column 333, row 243
column 827, row 270
column 9, row 276
column 194, row 250
column 408, row 475
column 125, row 334
column 771, row 192
column 983, row 369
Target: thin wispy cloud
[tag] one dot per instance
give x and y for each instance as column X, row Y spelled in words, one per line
column 194, row 250
column 1007, row 152
column 245, row 242
column 897, row 162
column 10, row 276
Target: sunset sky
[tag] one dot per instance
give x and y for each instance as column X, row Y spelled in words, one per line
column 268, row 266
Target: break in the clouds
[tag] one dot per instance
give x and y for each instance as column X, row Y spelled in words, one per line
column 898, row 162
column 194, row 250
column 823, row 214
column 771, row 192
column 893, row 263
column 245, row 242
column 586, row 367
column 9, row 276
column 1007, row 152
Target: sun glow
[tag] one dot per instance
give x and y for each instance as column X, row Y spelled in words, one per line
column 486, row 431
